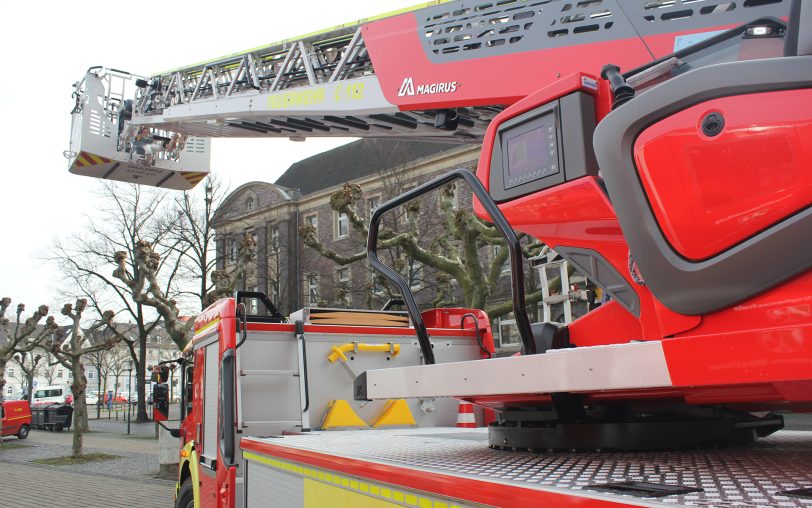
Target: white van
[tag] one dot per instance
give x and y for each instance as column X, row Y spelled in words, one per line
column 51, row 395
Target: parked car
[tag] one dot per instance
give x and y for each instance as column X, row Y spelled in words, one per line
column 15, row 418
column 52, row 395
column 92, row 398
column 119, row 398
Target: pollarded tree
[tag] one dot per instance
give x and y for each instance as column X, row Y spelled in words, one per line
column 69, row 351
column 30, row 364
column 146, row 290
column 22, row 335
column 453, row 253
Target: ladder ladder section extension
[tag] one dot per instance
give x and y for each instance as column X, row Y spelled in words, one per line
column 395, row 84
column 323, row 85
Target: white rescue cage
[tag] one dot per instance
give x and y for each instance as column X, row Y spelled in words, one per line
column 107, row 143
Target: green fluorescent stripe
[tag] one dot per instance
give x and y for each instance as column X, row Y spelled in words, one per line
column 369, row 488
column 311, row 34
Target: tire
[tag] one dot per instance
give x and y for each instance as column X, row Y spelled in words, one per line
column 23, row 432
column 186, row 496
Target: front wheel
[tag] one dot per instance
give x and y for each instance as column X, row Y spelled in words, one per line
column 23, row 432
column 186, row 496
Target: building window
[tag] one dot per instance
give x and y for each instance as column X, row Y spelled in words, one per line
column 273, row 287
column 90, row 374
column 404, row 216
column 253, row 308
column 312, row 289
column 232, row 250
column 415, row 273
column 10, row 372
column 10, row 390
column 250, row 204
column 506, row 333
column 343, row 275
column 59, row 374
column 377, row 284
column 455, row 200
column 313, row 221
column 495, row 250
column 275, row 238
column 373, row 203
column 342, row 228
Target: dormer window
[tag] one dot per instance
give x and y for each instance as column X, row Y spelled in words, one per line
column 249, row 204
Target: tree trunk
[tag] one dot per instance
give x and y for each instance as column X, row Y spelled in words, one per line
column 29, row 379
column 78, row 388
column 140, row 384
column 2, row 380
column 140, row 369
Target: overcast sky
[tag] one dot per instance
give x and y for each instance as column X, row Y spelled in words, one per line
column 47, row 46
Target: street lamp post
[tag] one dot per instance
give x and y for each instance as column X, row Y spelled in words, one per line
column 129, row 394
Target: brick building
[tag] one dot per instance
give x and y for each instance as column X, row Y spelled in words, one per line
column 294, row 275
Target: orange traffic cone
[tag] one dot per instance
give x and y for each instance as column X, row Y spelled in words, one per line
column 465, row 415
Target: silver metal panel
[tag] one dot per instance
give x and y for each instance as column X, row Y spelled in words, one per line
column 749, row 476
column 269, row 487
column 210, row 398
column 615, row 367
column 336, row 98
column 330, row 381
column 269, row 398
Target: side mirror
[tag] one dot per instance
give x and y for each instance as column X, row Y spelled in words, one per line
column 160, row 396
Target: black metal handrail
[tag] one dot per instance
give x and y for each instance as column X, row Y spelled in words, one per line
column 516, row 259
column 259, row 295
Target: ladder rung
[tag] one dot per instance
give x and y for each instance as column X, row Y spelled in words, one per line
column 269, row 372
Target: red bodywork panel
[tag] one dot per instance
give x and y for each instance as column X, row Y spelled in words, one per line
column 490, row 80
column 16, row 413
column 710, row 193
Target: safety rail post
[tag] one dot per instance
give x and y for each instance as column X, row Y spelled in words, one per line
column 516, row 259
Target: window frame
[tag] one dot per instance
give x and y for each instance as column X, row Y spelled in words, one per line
column 310, row 285
column 337, row 225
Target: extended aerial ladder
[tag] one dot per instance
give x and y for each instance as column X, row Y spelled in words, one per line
column 437, row 71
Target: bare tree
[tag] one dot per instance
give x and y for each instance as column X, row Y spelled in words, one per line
column 145, row 289
column 192, row 231
column 101, row 361
column 21, row 336
column 131, row 215
column 30, row 364
column 69, row 353
column 50, row 368
column 456, row 253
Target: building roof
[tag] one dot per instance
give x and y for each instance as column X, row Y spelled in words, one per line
column 358, row 159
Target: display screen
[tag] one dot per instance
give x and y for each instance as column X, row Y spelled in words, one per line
column 531, row 155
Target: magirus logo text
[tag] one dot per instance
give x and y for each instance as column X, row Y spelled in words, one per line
column 408, row 88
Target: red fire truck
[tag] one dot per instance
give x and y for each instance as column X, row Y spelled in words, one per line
column 677, row 183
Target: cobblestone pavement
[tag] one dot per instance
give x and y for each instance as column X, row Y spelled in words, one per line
column 30, row 486
column 131, row 481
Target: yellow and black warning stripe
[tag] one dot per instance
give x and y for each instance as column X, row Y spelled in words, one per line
column 193, row 177
column 90, row 159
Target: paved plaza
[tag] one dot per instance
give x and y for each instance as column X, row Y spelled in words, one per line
column 131, row 481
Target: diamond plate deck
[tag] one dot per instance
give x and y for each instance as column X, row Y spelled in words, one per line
column 750, row 476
